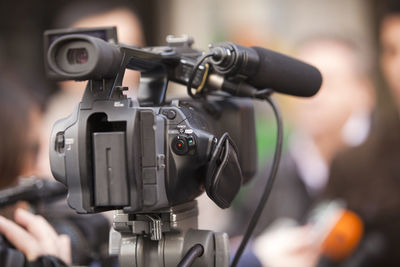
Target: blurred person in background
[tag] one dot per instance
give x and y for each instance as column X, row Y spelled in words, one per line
column 367, row 177
column 86, row 15
column 26, row 239
column 336, row 118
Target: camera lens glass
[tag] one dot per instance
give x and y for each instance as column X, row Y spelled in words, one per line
column 77, row 56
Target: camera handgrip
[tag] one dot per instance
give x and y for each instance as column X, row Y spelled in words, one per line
column 224, row 175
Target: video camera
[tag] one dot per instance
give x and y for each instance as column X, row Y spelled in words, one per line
column 149, row 156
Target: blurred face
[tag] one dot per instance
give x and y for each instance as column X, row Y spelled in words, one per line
column 343, row 91
column 32, row 149
column 390, row 54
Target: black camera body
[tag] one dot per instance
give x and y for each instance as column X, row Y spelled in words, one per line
column 143, row 155
column 120, row 155
column 149, row 158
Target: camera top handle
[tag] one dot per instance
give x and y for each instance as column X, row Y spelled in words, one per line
column 81, row 56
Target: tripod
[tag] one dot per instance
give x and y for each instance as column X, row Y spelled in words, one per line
column 164, row 238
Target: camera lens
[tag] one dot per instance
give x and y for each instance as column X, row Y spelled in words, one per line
column 77, row 56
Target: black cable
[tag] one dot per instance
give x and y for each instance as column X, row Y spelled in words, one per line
column 268, row 186
column 194, row 71
column 190, row 256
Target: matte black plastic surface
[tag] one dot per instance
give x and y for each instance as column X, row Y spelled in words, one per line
column 224, row 177
column 285, row 74
column 235, row 116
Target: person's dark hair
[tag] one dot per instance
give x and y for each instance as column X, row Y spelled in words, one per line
column 386, row 112
column 388, row 8
column 15, row 107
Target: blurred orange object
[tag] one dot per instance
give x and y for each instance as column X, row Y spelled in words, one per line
column 344, row 236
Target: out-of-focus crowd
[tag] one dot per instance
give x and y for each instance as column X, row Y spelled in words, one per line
column 334, row 202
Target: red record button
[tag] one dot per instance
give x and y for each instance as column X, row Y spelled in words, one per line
column 179, row 145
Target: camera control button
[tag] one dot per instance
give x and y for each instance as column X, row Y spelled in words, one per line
column 191, row 141
column 179, row 145
column 171, row 114
column 60, row 143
